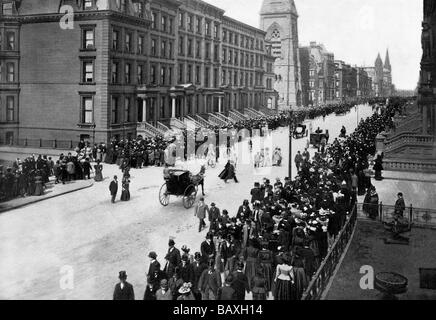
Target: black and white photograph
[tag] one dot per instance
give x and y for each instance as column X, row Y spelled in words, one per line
column 238, row 152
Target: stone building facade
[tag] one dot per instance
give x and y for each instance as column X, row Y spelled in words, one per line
column 123, row 63
column 279, row 18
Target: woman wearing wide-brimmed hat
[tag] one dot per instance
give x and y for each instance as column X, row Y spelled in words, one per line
column 185, row 292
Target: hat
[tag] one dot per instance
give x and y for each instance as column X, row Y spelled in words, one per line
column 229, row 279
column 152, row 255
column 186, row 288
column 185, row 249
column 122, row 275
column 212, row 204
column 171, row 242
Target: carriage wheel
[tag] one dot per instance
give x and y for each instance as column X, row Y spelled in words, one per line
column 189, row 196
column 164, row 197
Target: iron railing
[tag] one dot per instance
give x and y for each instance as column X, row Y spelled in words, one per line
column 41, row 143
column 320, row 280
column 417, row 217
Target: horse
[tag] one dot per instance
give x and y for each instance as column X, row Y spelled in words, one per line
column 198, row 179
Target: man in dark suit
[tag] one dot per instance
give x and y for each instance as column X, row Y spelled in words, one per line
column 154, row 271
column 198, row 267
column 256, row 193
column 210, row 282
column 227, row 293
column 240, row 282
column 113, row 188
column 173, row 258
column 208, row 248
column 123, row 289
column 244, row 211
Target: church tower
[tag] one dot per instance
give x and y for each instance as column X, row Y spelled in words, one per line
column 279, row 18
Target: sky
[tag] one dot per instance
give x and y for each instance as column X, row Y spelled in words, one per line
column 354, row 30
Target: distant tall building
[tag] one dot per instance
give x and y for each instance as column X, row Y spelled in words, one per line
column 279, row 18
column 381, row 75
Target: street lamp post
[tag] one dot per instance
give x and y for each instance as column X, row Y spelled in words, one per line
column 93, row 133
column 291, row 130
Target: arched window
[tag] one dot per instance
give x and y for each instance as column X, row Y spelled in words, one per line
column 276, row 43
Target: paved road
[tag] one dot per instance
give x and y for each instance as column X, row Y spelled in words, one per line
column 83, row 230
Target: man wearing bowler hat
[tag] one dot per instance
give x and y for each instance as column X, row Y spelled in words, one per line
column 173, row 258
column 123, row 289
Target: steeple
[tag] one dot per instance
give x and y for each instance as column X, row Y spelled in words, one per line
column 379, row 61
column 278, row 6
column 388, row 61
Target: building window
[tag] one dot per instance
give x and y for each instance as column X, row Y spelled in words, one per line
column 88, row 72
column 128, row 42
column 114, row 72
column 164, row 24
column 216, row 52
column 190, row 23
column 198, row 49
column 88, row 39
column 114, row 110
column 140, row 44
column 208, row 28
column 224, row 35
column 140, row 9
column 170, row 76
column 162, row 76
column 181, row 20
column 189, row 73
column 10, row 67
column 181, row 45
column 199, row 25
column 190, row 47
column 140, row 74
column 127, row 109
column 153, row 75
column 115, row 39
column 10, row 108
column 224, row 78
column 153, row 47
column 127, row 72
column 122, row 5
column 216, row 31
column 224, row 58
column 181, row 73
column 153, row 20
column 170, row 51
column 7, row 9
column 206, row 77
column 10, row 37
column 215, row 78
column 87, row 110
column 163, row 49
column 162, row 107
column 198, row 75
column 207, row 50
column 171, row 25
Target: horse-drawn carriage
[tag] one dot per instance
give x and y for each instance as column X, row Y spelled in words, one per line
column 316, row 138
column 181, row 183
column 300, row 131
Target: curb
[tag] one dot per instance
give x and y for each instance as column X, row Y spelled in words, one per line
column 410, row 180
column 2, row 210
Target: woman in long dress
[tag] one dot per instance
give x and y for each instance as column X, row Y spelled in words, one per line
column 250, row 256
column 284, row 280
column 266, row 260
column 98, row 172
column 258, row 285
column 301, row 280
column 38, row 184
column 125, row 194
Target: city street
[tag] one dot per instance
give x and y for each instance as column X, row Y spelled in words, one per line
column 83, row 230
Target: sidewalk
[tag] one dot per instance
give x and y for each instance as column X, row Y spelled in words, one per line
column 51, row 191
column 409, row 176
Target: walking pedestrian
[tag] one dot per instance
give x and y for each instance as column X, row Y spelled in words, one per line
column 200, row 212
column 113, row 188
column 123, row 289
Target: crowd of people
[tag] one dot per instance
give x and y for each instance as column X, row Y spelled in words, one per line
column 31, row 176
column 276, row 240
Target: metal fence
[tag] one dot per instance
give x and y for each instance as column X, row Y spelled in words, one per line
column 41, row 143
column 322, row 277
column 418, row 217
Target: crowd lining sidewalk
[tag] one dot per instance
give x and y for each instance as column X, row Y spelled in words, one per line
column 51, row 191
